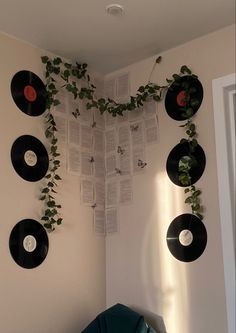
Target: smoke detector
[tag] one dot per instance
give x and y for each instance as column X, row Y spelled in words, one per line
column 115, row 9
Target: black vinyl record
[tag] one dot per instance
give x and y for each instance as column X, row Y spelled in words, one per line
column 173, row 161
column 186, row 237
column 29, row 158
column 28, row 243
column 29, row 93
column 174, row 100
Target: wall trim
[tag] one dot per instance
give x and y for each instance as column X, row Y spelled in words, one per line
column 224, row 99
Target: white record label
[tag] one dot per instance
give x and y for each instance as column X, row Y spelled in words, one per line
column 30, row 158
column 185, row 237
column 29, row 243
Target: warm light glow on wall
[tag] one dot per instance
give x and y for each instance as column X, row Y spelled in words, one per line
column 171, row 299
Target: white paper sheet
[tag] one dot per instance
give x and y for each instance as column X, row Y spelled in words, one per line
column 87, row 192
column 86, row 164
column 110, row 88
column 126, row 191
column 99, row 166
column 111, row 221
column 61, row 125
column 86, row 115
column 136, row 114
column 111, row 193
column 98, row 119
column 74, row 132
column 123, row 118
column 98, row 141
column 74, row 108
column 151, row 130
column 124, row 135
column 122, row 89
column 99, row 221
column 73, row 162
column 110, row 140
column 86, row 137
column 137, row 133
column 124, row 160
column 150, row 108
column 64, row 152
column 111, row 165
column 99, row 84
column 110, row 120
column 138, row 157
column 62, row 97
column 99, row 189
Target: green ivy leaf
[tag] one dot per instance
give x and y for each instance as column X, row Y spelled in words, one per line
column 56, row 102
column 185, row 70
column 67, row 65
column 59, row 221
column 176, row 77
column 44, row 59
column 51, row 203
column 57, row 61
column 188, row 200
column 141, row 89
column 156, row 98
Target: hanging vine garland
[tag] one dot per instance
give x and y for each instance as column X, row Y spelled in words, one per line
column 56, row 70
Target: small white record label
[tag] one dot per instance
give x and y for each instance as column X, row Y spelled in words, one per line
column 30, row 158
column 185, row 237
column 29, row 243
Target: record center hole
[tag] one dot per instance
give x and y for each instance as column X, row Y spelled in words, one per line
column 29, row 243
column 30, row 158
column 185, row 237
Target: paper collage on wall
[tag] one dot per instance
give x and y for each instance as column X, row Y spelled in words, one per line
column 106, row 151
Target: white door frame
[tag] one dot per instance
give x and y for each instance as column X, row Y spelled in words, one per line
column 224, row 101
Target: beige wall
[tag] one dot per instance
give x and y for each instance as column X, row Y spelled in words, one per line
column 67, row 290
column 140, row 270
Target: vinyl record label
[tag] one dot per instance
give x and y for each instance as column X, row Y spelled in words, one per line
column 28, row 243
column 176, row 97
column 174, row 161
column 186, row 237
column 29, row 93
column 29, row 158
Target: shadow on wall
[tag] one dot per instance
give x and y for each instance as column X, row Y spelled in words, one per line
column 152, row 319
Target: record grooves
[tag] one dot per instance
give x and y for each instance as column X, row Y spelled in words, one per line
column 28, row 243
column 29, row 93
column 186, row 237
column 176, row 95
column 173, row 161
column 29, row 158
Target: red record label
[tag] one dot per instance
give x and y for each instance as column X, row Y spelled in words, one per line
column 186, row 91
column 180, row 99
column 30, row 93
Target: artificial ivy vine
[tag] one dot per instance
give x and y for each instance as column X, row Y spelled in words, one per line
column 185, row 165
column 65, row 75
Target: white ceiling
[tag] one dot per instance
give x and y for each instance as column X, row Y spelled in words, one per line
column 82, row 30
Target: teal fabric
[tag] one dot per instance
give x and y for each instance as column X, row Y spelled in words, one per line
column 119, row 319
